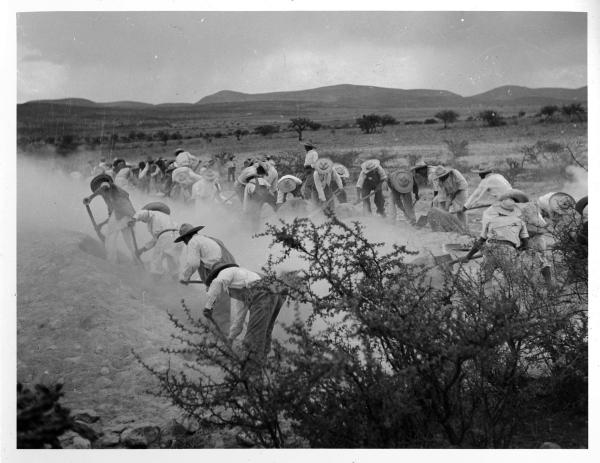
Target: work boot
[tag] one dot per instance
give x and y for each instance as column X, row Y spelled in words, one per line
column 547, row 276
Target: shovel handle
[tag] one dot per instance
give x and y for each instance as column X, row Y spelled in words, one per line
column 94, row 224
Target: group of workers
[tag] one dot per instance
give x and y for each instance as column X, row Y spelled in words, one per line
column 511, row 221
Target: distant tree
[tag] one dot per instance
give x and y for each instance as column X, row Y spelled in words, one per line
column 265, row 130
column 522, row 113
column 547, row 112
column 447, row 116
column 369, row 123
column 239, row 133
column 300, row 124
column 492, row 118
column 386, row 119
column 162, row 136
column 176, row 136
column 430, row 121
column 574, row 110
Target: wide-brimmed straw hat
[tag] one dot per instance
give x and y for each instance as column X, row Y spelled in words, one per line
column 561, row 202
column 186, row 231
column 401, row 180
column 309, row 144
column 324, row 165
column 506, row 206
column 157, row 206
column 341, row 170
column 419, row 164
column 369, row 165
column 440, row 171
column 517, row 195
column 288, row 183
column 581, row 205
column 483, row 168
column 99, row 180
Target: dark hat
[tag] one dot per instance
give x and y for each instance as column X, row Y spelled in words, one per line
column 99, row 180
column 187, row 230
column 157, row 206
column 215, row 272
column 482, row 168
column 118, row 161
column 581, row 205
column 308, row 144
column 517, row 195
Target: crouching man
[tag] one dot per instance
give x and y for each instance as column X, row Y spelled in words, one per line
column 252, row 296
column 120, row 213
column 503, row 234
column 165, row 253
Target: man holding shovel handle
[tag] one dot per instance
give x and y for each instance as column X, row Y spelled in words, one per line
column 120, row 213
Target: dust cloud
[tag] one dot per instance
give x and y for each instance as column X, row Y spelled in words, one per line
column 577, row 186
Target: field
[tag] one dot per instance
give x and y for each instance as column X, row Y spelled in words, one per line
column 84, row 321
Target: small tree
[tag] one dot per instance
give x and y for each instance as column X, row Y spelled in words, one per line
column 369, row 123
column 265, row 130
column 386, row 119
column 574, row 110
column 300, row 124
column 492, row 118
column 447, row 116
column 239, row 133
column 547, row 112
column 458, row 148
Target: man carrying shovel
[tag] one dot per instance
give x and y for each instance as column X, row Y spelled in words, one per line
column 491, row 187
column 120, row 214
column 327, row 184
column 370, row 180
column 453, row 192
column 204, row 254
column 262, row 302
column 165, row 253
column 402, row 186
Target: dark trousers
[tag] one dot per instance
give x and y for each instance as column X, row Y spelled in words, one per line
column 231, row 174
column 404, row 201
column 379, row 200
column 264, row 307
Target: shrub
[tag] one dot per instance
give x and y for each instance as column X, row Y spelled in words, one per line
column 385, row 359
column 574, row 110
column 265, row 130
column 369, row 123
column 430, row 121
column 40, row 418
column 492, row 118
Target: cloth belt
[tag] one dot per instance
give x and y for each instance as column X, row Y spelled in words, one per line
column 504, row 242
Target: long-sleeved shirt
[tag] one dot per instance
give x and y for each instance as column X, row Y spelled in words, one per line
column 157, row 221
column 251, row 188
column 117, row 201
column 122, row 177
column 311, row 158
column 272, row 176
column 200, row 250
column 227, row 279
column 491, row 187
column 363, row 176
column 322, row 181
column 452, row 185
column 504, row 227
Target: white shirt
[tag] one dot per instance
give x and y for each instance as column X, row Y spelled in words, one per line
column 229, row 278
column 157, row 221
column 272, row 176
column 122, row 177
column 200, row 250
column 321, row 181
column 250, row 188
column 311, row 158
column 491, row 187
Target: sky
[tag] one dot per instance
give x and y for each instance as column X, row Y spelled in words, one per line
column 160, row 57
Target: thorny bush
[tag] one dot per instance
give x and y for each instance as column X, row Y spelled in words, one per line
column 384, row 359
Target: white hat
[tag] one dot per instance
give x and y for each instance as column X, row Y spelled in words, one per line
column 401, row 181
column 288, row 183
column 324, row 165
column 506, row 206
column 342, row 170
column 370, row 165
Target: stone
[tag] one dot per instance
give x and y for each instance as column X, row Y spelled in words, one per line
column 109, row 439
column 104, row 371
column 87, row 416
column 550, row 445
column 72, row 440
column 91, row 431
column 103, row 382
column 141, row 435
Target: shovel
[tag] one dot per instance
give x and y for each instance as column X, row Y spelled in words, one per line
column 135, row 246
column 95, row 225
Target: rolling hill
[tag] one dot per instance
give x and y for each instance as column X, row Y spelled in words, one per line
column 355, row 96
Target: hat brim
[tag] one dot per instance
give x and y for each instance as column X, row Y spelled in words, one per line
column 481, row 171
column 189, row 233
column 99, row 180
column 158, row 206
